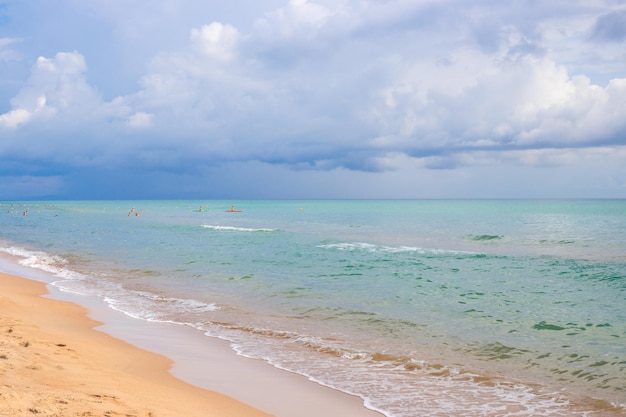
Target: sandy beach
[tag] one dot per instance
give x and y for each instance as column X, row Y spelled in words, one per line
column 57, row 361
column 53, row 363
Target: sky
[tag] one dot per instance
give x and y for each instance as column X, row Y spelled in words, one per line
column 273, row 99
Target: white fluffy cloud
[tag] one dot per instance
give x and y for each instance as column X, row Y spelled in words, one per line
column 57, row 89
column 14, row 118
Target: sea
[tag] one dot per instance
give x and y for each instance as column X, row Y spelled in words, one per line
column 418, row 307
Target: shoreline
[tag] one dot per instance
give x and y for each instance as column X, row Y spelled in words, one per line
column 142, row 368
column 53, row 362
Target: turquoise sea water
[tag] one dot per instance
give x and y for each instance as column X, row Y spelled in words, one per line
column 422, row 308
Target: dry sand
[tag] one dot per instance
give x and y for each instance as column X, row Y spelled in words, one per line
column 53, row 363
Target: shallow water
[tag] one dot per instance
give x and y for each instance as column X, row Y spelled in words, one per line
column 419, row 307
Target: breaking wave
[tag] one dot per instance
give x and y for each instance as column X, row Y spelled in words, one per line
column 237, row 229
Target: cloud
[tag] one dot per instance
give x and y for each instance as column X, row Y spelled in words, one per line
column 15, row 117
column 27, row 187
column 299, row 19
column 7, row 53
column 610, row 27
column 140, row 120
column 56, row 91
column 216, row 40
column 325, row 86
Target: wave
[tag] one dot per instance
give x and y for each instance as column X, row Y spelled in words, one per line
column 137, row 304
column 53, row 264
column 368, row 247
column 362, row 373
column 237, row 229
column 157, row 308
